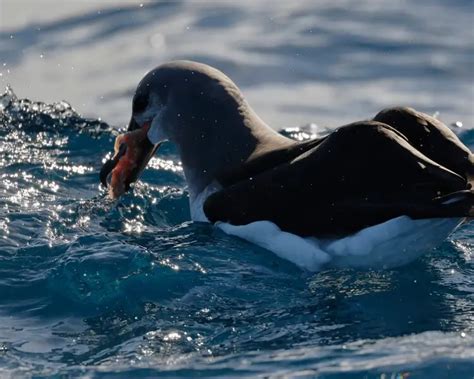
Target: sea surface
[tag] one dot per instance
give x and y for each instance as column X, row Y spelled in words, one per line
column 93, row 288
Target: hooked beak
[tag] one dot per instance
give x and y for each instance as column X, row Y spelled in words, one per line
column 133, row 150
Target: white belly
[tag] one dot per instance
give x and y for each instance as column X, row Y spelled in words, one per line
column 393, row 243
column 196, row 202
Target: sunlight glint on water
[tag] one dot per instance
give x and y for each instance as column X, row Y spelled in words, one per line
column 93, row 288
column 90, row 285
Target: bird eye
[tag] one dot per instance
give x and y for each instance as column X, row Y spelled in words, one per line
column 140, row 102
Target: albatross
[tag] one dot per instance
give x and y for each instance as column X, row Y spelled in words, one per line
column 375, row 193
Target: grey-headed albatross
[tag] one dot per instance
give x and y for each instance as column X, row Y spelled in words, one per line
column 352, row 184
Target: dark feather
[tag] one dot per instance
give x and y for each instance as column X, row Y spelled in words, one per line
column 360, row 175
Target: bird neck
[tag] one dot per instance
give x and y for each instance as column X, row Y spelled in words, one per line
column 222, row 150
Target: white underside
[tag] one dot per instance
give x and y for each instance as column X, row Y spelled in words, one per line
column 196, row 202
column 393, row 243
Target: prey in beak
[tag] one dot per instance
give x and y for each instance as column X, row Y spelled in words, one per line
column 133, row 150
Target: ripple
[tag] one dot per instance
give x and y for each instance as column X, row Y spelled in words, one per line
column 95, row 287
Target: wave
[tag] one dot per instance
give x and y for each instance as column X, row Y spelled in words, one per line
column 94, row 287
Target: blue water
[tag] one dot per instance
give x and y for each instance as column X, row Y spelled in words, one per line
column 96, row 289
column 104, row 289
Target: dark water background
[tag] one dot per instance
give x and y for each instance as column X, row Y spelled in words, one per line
column 91, row 288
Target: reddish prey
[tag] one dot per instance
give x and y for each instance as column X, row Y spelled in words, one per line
column 138, row 151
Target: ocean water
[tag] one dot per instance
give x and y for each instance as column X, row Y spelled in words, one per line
column 99, row 289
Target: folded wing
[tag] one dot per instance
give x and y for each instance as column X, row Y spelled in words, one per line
column 361, row 175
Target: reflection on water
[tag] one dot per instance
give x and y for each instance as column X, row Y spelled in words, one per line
column 330, row 62
column 89, row 285
column 96, row 288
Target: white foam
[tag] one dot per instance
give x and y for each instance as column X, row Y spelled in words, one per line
column 393, row 243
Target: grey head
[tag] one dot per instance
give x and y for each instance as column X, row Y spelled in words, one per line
column 205, row 115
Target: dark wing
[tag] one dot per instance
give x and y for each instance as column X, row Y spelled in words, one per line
column 431, row 137
column 361, row 175
column 265, row 160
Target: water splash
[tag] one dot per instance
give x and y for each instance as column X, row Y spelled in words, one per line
column 89, row 286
